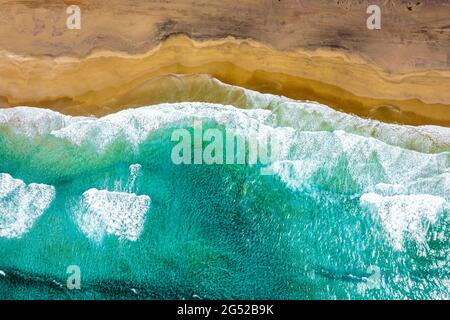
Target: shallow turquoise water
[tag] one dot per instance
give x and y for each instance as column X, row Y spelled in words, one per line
column 227, row 231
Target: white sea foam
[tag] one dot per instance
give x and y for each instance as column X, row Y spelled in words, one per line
column 21, row 205
column 436, row 185
column 31, row 122
column 368, row 161
column 120, row 214
column 364, row 160
column 311, row 116
column 134, row 173
column 135, row 125
column 405, row 214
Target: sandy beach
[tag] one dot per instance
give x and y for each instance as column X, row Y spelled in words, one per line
column 308, row 50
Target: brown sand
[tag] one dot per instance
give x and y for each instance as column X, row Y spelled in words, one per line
column 314, row 50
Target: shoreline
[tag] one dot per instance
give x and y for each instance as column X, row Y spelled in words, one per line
column 108, row 81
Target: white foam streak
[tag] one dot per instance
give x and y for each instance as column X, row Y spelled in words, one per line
column 405, row 214
column 134, row 173
column 135, row 125
column 21, row 205
column 311, row 116
column 366, row 161
column 120, row 214
column 33, row 122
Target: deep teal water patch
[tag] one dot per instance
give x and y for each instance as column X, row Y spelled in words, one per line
column 212, row 231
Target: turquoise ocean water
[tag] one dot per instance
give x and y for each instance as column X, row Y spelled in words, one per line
column 352, row 209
